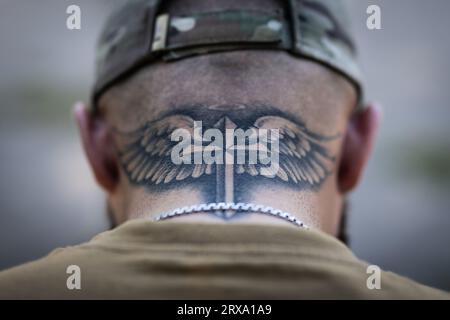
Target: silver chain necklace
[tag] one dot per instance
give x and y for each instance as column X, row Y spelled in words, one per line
column 237, row 207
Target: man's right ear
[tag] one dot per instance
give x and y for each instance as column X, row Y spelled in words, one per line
column 358, row 143
column 98, row 146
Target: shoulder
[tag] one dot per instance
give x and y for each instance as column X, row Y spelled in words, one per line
column 48, row 277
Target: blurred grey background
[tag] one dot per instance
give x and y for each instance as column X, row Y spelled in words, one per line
column 400, row 214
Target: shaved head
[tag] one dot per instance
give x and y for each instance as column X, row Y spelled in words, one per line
column 307, row 102
column 271, row 77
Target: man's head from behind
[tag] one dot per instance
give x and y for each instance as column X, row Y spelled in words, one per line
column 324, row 142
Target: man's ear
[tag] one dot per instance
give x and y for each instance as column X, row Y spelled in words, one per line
column 98, row 146
column 358, row 143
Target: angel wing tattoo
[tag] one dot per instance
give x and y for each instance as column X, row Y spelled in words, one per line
column 146, row 158
column 304, row 160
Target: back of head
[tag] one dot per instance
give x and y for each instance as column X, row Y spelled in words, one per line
column 267, row 65
column 168, row 30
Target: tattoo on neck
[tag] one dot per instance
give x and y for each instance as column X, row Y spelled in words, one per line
column 225, row 149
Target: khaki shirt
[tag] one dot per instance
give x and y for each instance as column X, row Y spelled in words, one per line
column 172, row 260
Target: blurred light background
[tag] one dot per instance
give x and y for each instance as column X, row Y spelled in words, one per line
column 400, row 214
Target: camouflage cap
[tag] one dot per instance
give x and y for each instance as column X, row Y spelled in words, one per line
column 141, row 32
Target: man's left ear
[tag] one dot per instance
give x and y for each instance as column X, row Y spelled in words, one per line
column 357, row 146
column 98, row 146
